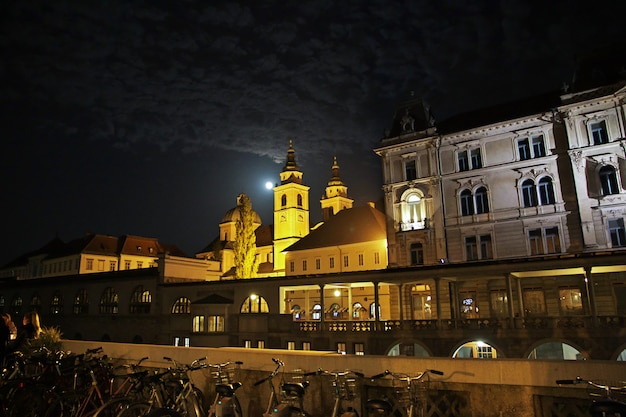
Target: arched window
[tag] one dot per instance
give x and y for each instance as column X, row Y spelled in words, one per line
column 56, row 306
column 529, row 193
column 608, row 180
column 109, row 302
column 417, row 254
column 482, row 203
column 140, row 301
column 283, row 200
column 299, row 200
column 254, row 304
column 182, row 306
column 81, row 302
column 35, row 303
column 357, row 308
column 546, row 191
column 16, row 306
column 467, row 205
column 317, row 312
column 412, row 211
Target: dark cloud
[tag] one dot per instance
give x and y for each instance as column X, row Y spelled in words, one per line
column 187, row 79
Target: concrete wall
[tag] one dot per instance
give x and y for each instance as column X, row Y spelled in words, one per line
column 497, row 387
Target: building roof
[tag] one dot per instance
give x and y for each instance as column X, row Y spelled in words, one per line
column 213, row 299
column 355, row 225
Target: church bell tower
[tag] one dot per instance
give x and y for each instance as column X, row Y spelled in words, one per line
column 291, row 209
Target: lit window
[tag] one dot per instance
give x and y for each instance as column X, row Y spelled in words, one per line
column 499, row 303
column 215, row 323
column 291, row 345
column 306, row 345
column 544, row 241
column 109, row 301
column 56, row 306
column 570, row 301
column 536, row 242
column 197, row 324
column 140, row 301
column 254, row 304
column 359, row 349
column 484, row 352
column 182, row 306
column 553, row 242
column 341, row 348
column 260, row 344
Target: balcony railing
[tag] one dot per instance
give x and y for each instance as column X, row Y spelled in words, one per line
column 573, row 322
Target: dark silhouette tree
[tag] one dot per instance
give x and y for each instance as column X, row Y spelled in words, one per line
column 246, row 261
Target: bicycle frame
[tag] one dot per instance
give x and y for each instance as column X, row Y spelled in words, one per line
column 225, row 403
column 293, row 392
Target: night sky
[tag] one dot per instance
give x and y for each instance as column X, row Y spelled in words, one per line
column 149, row 117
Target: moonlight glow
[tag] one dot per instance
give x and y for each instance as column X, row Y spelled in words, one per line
column 269, row 185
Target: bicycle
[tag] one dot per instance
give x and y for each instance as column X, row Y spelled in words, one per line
column 411, row 394
column 607, row 405
column 344, row 389
column 225, row 403
column 289, row 403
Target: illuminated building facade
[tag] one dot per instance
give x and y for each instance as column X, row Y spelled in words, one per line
column 502, row 236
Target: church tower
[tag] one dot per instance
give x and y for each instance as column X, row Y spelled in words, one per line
column 291, row 209
column 336, row 197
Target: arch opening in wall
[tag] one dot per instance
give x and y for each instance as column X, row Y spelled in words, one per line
column 621, row 356
column 408, row 349
column 556, row 350
column 255, row 304
column 476, row 349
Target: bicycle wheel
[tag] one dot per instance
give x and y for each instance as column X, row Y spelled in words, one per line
column 163, row 412
column 139, row 409
column 113, row 407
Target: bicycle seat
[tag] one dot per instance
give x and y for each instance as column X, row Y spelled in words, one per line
column 378, row 406
column 293, row 389
column 227, row 390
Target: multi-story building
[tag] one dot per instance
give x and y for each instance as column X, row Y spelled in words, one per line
column 502, row 235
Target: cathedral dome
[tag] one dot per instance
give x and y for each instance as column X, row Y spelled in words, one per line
column 234, row 214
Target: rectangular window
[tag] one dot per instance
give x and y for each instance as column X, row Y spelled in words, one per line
column 247, row 344
column 89, row 266
column 260, row 344
column 139, row 264
column 306, row 345
column 359, row 349
column 535, row 241
column 523, row 149
column 198, row 324
column 112, row 265
column 215, row 324
column 599, row 133
column 499, row 303
column 291, row 345
column 486, row 251
column 539, row 148
column 617, row 232
column 534, row 301
column 331, row 262
column 341, row 348
column 292, row 266
column 553, row 243
column 376, row 258
column 477, row 161
column 471, row 250
column 410, row 170
column 318, row 264
column 360, row 257
column 345, row 261
column 100, row 264
column 126, row 265
column 304, row 265
column 463, row 161
column 570, row 301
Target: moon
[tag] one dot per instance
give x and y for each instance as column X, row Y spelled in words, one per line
column 269, row 185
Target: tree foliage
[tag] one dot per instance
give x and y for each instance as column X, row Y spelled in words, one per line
column 246, row 261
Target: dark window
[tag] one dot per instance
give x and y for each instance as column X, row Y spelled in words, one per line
column 109, row 301
column 546, row 191
column 485, row 247
column 608, row 180
column 467, row 204
column 140, row 301
column 471, row 249
column 539, row 148
column 599, row 133
column 417, row 254
column 410, row 170
column 477, row 161
column 617, row 232
column 463, row 161
column 299, row 200
column 283, row 200
column 81, row 302
column 553, row 242
column 523, row 149
column 482, row 203
column 536, row 242
column 529, row 194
